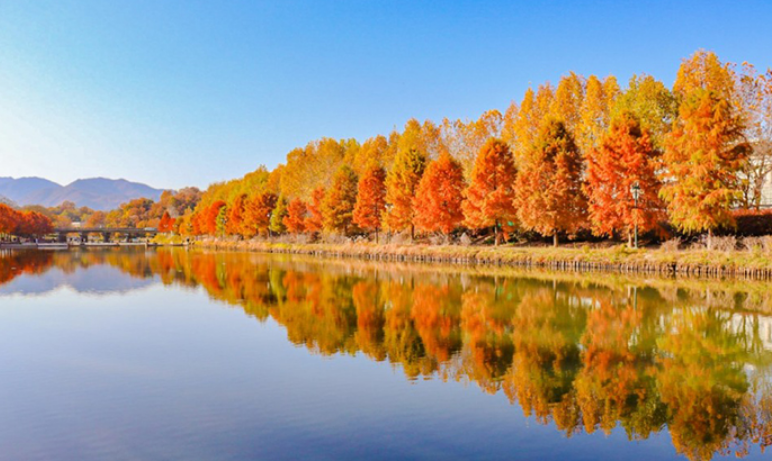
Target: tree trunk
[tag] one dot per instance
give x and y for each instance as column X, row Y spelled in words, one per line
column 629, row 239
column 376, row 236
column 412, row 233
column 555, row 240
column 710, row 239
column 496, row 234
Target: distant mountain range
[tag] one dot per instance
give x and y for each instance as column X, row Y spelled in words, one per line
column 97, row 193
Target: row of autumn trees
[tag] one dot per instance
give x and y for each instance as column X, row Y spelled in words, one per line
column 563, row 160
column 23, row 223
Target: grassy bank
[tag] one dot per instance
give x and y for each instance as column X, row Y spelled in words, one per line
column 755, row 264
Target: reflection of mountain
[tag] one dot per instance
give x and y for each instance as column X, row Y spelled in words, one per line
column 101, row 280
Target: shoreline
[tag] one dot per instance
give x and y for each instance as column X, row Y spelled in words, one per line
column 694, row 263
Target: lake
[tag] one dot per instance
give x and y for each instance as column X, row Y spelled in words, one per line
column 169, row 354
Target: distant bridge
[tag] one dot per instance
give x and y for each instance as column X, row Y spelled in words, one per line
column 105, row 232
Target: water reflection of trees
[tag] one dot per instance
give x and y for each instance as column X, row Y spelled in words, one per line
column 582, row 355
column 15, row 263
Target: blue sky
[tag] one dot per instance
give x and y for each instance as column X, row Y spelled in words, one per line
column 188, row 93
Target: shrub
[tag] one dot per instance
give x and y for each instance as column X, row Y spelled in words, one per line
column 399, row 238
column 727, row 244
column 671, row 245
column 438, row 239
column 758, row 244
column 335, row 238
column 750, row 223
column 753, row 244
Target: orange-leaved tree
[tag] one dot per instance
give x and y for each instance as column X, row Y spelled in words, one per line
column 626, row 156
column 166, row 224
column 491, row 193
column 197, row 224
column 548, row 190
column 338, row 205
column 236, row 216
column 295, row 221
column 314, row 221
column 401, row 184
column 371, row 199
column 257, row 214
column 8, row 219
column 706, row 148
column 437, row 201
column 31, row 223
column 703, row 155
column 212, row 215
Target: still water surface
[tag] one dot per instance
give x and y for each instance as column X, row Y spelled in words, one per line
column 175, row 354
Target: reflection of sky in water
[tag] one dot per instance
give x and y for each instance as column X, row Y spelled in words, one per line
column 97, row 280
column 164, row 374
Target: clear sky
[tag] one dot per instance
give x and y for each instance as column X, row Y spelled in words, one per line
column 192, row 92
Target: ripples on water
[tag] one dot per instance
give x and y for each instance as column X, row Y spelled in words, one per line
column 119, row 354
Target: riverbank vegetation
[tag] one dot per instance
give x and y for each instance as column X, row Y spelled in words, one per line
column 749, row 258
column 582, row 161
